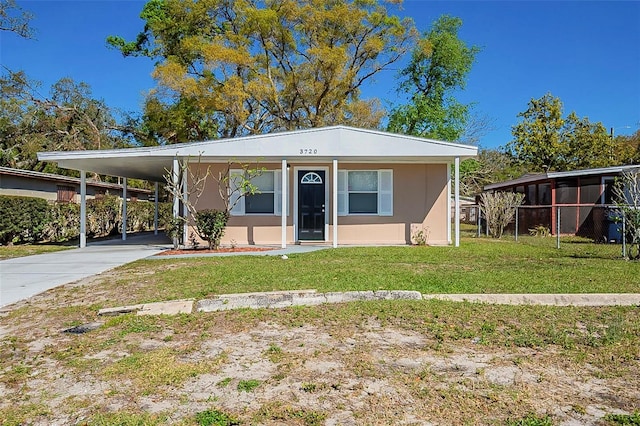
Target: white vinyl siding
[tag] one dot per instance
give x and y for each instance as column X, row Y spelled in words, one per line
column 365, row 192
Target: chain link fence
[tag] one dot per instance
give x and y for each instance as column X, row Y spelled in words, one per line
column 598, row 223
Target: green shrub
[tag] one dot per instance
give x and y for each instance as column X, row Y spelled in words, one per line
column 104, row 216
column 211, row 225
column 139, row 216
column 22, row 219
column 64, row 222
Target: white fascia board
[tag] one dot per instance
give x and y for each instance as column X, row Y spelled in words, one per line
column 311, row 145
column 334, row 142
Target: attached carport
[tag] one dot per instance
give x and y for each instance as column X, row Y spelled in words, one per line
column 325, row 146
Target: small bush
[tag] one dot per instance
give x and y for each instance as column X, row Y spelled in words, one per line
column 539, row 231
column 499, row 209
column 22, row 219
column 210, row 225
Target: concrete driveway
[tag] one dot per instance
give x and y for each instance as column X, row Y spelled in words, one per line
column 23, row 277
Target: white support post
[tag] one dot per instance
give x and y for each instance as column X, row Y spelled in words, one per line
column 284, row 190
column 334, row 196
column 185, row 207
column 83, row 209
column 449, row 194
column 176, row 200
column 155, row 211
column 457, row 200
column 124, row 209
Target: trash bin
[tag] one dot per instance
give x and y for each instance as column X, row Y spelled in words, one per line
column 614, row 220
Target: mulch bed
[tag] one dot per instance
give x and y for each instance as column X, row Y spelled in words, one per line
column 219, row 250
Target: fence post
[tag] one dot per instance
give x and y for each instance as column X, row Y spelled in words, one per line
column 624, row 235
column 557, row 227
column 479, row 220
column 516, row 231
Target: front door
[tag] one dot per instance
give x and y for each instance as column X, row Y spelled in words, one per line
column 311, row 214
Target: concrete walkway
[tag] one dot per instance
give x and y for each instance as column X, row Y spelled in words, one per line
column 23, row 277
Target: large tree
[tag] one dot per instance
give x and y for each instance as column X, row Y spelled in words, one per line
column 68, row 119
column 490, row 166
column 228, row 68
column 627, row 148
column 439, row 66
column 15, row 19
column 544, row 140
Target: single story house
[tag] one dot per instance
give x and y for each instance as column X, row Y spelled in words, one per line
column 57, row 188
column 582, row 197
column 333, row 185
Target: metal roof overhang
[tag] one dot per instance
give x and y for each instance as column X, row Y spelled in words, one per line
column 309, row 146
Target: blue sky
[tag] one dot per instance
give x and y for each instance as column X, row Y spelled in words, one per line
column 587, row 53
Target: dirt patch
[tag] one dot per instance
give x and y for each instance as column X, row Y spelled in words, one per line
column 219, row 250
column 287, row 367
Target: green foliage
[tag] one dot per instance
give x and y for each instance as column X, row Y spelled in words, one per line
column 215, row 418
column 69, row 119
column 64, row 222
column 174, row 228
column 623, row 419
column 439, row 65
column 140, row 216
column 210, row 225
column 490, row 166
column 248, row 385
column 22, row 219
column 227, row 69
column 531, row 420
column 545, row 141
column 627, row 149
column 14, row 19
column 28, row 220
column 104, row 216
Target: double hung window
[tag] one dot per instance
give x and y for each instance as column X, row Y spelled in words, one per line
column 365, row 192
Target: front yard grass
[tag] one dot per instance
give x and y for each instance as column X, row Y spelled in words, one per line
column 9, row 252
column 532, row 265
column 357, row 363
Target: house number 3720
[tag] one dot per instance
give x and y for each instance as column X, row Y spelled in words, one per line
column 308, row 151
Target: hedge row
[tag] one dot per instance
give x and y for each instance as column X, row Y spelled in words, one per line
column 29, row 220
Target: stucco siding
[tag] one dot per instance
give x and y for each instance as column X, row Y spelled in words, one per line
column 420, row 202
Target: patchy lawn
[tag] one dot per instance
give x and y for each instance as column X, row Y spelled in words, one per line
column 366, row 363
column 478, row 266
column 21, row 250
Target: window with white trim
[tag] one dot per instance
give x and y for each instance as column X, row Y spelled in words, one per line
column 268, row 199
column 365, row 192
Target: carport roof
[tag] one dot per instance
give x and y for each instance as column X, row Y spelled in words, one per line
column 318, row 145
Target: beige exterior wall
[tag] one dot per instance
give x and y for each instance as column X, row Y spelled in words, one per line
column 420, row 202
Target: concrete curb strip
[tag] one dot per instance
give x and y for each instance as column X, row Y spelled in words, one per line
column 227, row 302
column 173, row 307
column 283, row 299
column 580, row 299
